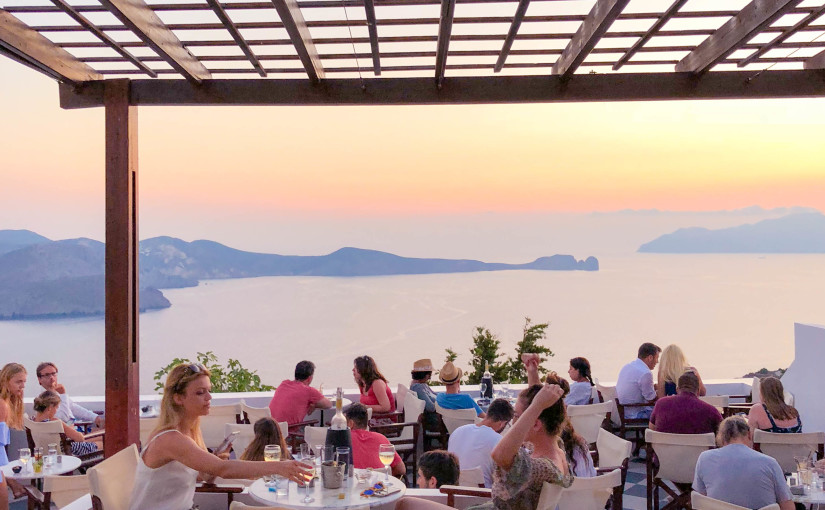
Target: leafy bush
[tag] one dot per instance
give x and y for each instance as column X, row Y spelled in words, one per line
column 485, row 350
column 232, row 378
column 532, row 335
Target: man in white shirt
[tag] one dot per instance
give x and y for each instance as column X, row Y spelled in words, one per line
column 68, row 410
column 473, row 444
column 635, row 383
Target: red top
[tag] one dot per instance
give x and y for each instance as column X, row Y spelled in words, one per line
column 369, row 398
column 365, row 445
column 293, row 400
column 685, row 414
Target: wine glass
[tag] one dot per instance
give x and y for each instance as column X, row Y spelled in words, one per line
column 272, row 453
column 386, row 452
column 309, row 474
column 482, row 389
column 25, row 457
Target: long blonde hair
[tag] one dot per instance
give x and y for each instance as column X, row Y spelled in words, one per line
column 672, row 363
column 773, row 396
column 171, row 413
column 15, row 418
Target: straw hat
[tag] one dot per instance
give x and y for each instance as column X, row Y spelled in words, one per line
column 423, row 365
column 450, row 373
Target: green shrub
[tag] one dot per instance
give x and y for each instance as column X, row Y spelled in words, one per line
column 232, row 378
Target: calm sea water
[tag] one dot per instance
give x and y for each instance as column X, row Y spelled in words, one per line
column 730, row 313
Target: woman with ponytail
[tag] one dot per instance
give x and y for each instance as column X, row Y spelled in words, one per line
column 582, row 387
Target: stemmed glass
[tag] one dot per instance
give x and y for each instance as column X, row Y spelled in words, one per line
column 272, row 453
column 25, row 457
column 482, row 389
column 386, row 452
column 309, row 474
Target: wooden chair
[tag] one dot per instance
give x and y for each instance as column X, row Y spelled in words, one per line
column 701, row 502
column 635, row 426
column 471, row 477
column 613, row 452
column 677, row 455
column 407, row 440
column 608, row 393
column 42, row 434
column 592, row 493
column 57, row 490
column 588, row 419
column 212, row 425
column 252, row 414
column 454, row 418
column 784, row 447
column 549, row 498
column 111, row 482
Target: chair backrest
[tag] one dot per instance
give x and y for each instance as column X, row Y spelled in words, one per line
column 413, row 408
column 245, row 436
column 784, row 447
column 590, row 493
column 716, row 400
column 454, row 418
column 400, row 397
column 147, row 425
column 678, row 453
column 613, row 450
column 609, row 393
column 549, row 497
column 65, row 489
column 587, row 419
column 112, row 480
column 315, row 436
column 701, row 502
column 253, row 414
column 44, row 433
column 212, row 425
column 471, row 477
column 594, row 395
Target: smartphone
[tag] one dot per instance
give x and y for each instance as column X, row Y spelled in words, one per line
column 227, row 441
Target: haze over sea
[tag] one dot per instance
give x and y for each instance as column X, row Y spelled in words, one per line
column 731, row 314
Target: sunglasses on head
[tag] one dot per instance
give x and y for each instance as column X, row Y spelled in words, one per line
column 193, row 368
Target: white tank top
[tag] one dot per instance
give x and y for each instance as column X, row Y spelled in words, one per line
column 169, row 487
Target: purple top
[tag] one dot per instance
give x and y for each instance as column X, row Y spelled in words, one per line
column 685, row 414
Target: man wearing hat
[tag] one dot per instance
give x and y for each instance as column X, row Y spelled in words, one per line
column 421, row 372
column 450, row 376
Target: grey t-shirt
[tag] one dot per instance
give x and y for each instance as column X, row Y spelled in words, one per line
column 742, row 476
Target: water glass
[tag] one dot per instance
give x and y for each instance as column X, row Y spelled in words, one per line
column 342, row 454
column 53, row 452
column 48, row 462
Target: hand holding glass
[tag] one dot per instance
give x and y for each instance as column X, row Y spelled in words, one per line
column 386, row 452
column 309, row 473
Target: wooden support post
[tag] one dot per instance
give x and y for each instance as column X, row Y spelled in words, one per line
column 122, row 427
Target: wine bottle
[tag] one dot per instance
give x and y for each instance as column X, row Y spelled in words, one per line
column 339, row 422
column 487, row 380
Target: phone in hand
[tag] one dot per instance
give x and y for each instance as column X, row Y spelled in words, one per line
column 227, row 442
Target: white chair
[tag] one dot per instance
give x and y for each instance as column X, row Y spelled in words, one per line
column 42, row 434
column 784, row 447
column 594, row 395
column 240, row 506
column 61, row 491
column 609, row 394
column 613, row 452
column 314, row 436
column 677, row 455
column 212, row 425
column 591, row 493
column 401, row 397
column 454, row 418
column 111, row 481
column 720, row 402
column 701, row 502
column 587, row 419
column 147, row 425
column 253, row 414
column 549, row 497
column 471, row 477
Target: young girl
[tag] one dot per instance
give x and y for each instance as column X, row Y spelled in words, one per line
column 267, row 432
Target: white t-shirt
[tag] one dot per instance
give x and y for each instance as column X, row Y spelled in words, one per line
column 473, row 445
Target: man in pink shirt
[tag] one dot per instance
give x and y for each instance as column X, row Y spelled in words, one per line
column 365, row 443
column 293, row 400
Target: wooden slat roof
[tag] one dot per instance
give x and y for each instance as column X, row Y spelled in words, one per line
column 367, row 42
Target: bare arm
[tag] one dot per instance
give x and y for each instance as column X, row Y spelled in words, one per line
column 531, row 365
column 379, row 387
column 324, row 403
column 506, row 449
column 71, row 433
column 702, row 390
column 660, row 385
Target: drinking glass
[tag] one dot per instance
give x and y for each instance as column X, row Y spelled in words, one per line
column 305, row 450
column 272, row 453
column 53, row 452
column 48, row 462
column 482, row 390
column 309, row 474
column 38, row 460
column 25, row 457
column 362, row 475
column 386, row 452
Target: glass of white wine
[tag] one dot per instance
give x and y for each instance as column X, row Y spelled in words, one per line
column 25, row 457
column 309, row 474
column 386, row 452
column 272, row 453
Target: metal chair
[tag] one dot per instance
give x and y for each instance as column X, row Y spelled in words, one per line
column 677, row 455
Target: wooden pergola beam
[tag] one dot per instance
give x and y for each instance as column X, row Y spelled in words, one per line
column 236, row 35
column 804, row 22
column 445, row 29
column 754, row 17
column 296, row 27
column 372, row 27
column 587, row 36
column 666, row 16
column 521, row 11
column 816, row 62
column 143, row 22
column 19, row 41
column 464, row 90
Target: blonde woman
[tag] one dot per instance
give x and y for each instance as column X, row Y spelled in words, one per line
column 773, row 414
column 672, row 364
column 12, row 384
column 174, row 456
column 45, row 409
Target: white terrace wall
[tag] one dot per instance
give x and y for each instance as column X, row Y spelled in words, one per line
column 804, row 376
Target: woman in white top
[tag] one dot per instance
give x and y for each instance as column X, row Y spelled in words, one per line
column 175, row 457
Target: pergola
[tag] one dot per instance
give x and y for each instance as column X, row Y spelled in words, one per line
column 371, row 52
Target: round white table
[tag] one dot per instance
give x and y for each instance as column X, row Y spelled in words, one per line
column 330, row 498
column 68, row 465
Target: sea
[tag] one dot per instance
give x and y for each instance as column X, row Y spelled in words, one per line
column 731, row 314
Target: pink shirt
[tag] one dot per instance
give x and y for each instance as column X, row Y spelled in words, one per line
column 293, row 400
column 369, row 398
column 365, row 445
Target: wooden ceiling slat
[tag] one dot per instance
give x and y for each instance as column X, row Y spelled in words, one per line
column 521, row 11
column 603, row 14
column 33, row 49
column 372, row 26
column 143, row 21
column 236, row 35
column 445, row 29
column 752, row 19
column 668, row 14
column 296, row 27
column 815, row 62
column 804, row 22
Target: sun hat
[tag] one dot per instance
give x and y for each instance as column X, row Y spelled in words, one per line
column 450, row 373
column 422, row 365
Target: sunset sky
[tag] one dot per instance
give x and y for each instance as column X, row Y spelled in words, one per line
column 232, row 173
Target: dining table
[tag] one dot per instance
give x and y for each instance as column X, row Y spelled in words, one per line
column 66, row 465
column 348, row 496
column 813, row 496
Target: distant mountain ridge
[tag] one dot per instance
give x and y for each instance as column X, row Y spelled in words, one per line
column 43, row 278
column 794, row 233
